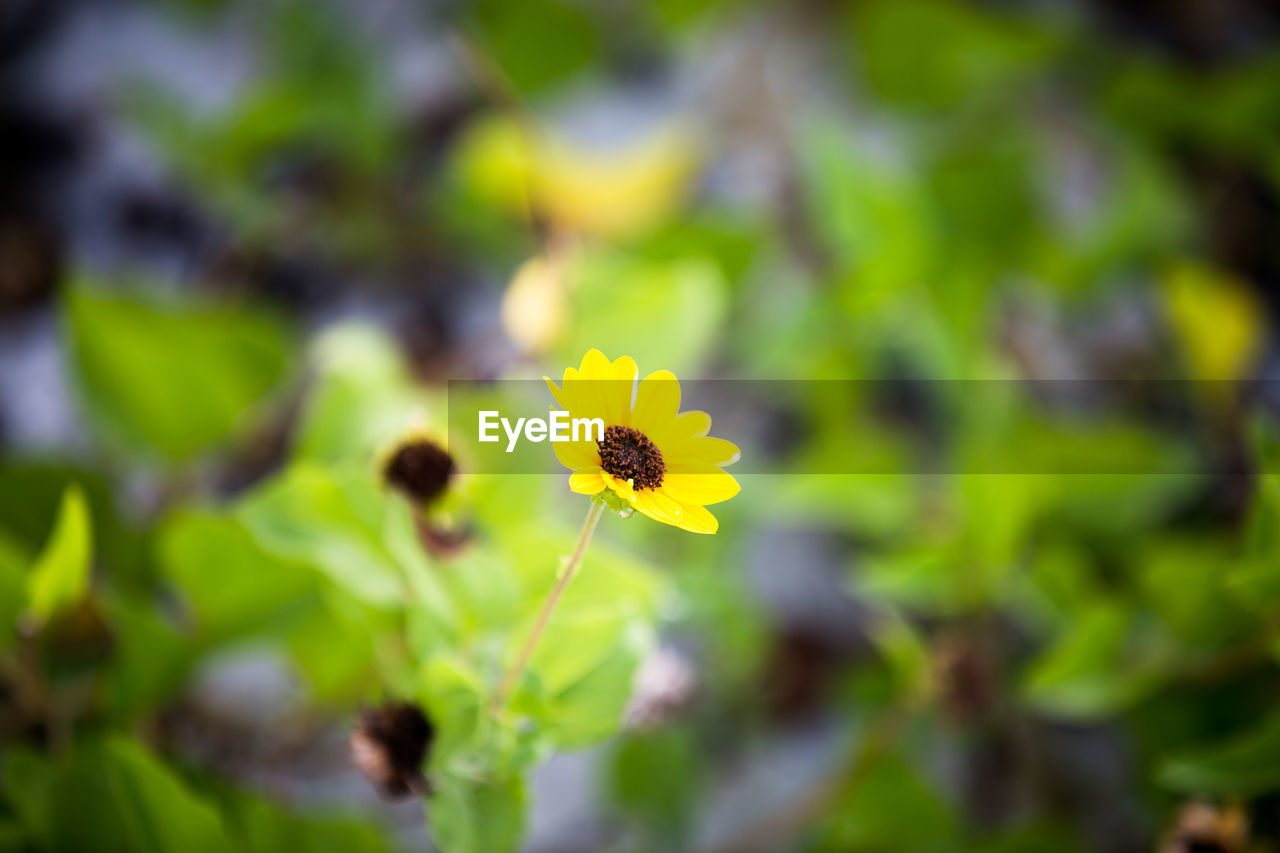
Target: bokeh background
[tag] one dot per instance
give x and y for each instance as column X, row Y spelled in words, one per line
column 245, row 243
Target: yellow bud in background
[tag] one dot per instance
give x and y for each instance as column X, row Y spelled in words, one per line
column 616, row 193
column 613, row 193
column 1216, row 319
column 495, row 161
column 535, row 306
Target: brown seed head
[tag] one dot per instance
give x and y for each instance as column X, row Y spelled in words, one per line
column 389, row 745
column 1205, row 828
column 420, row 469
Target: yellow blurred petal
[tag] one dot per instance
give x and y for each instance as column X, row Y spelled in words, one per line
column 496, row 160
column 700, row 489
column 535, row 305
column 1217, row 320
column 615, row 193
column 588, row 482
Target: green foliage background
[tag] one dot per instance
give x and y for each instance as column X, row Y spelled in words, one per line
column 966, row 193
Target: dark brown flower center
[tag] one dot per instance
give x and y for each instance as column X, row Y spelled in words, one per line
column 421, row 469
column 628, row 454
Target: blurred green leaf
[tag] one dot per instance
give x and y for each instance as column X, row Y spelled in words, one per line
column 332, row 520
column 631, row 297
column 28, row 779
column 60, row 576
column 516, row 37
column 363, row 400
column 123, row 797
column 231, row 585
column 176, row 380
column 454, row 698
column 337, row 652
column 150, row 657
column 31, row 493
column 14, row 564
column 1247, row 764
column 656, row 777
column 1094, row 668
column 1183, row 578
column 937, row 54
column 907, row 654
column 267, row 828
column 924, row 577
column 156, row 811
column 891, row 808
column 474, row 816
column 590, row 709
column 599, row 633
column 871, row 213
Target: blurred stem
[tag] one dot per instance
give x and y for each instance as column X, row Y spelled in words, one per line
column 570, row 568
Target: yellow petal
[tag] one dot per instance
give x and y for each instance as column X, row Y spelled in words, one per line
column 685, row 456
column 697, row 519
column 622, row 487
column 686, row 425
column 619, row 390
column 602, row 388
column 588, row 482
column 578, row 455
column 659, row 509
column 700, row 489
column 560, row 396
column 595, row 365
column 657, row 401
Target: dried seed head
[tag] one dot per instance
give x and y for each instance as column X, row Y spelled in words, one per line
column 421, row 469
column 389, row 745
column 1205, row 828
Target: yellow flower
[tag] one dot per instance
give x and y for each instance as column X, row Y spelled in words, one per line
column 654, row 457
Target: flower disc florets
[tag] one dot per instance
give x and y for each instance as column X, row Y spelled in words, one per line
column 628, row 454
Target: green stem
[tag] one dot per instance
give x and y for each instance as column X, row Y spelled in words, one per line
column 513, row 673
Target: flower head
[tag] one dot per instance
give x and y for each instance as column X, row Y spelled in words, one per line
column 652, row 456
column 419, row 468
column 388, row 746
